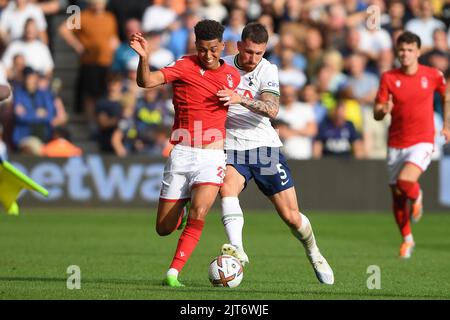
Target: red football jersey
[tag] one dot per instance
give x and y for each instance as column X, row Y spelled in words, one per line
column 198, row 111
column 412, row 96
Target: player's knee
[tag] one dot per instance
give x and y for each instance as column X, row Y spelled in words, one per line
column 291, row 217
column 227, row 190
column 198, row 212
column 162, row 230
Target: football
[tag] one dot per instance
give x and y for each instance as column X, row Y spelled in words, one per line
column 225, row 271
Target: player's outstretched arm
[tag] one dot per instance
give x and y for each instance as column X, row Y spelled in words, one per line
column 145, row 78
column 267, row 106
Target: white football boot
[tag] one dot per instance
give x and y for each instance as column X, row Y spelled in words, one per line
column 323, row 271
column 236, row 252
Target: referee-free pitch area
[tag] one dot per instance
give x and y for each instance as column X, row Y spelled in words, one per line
column 120, row 256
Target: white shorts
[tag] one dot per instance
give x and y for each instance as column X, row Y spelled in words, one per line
column 189, row 167
column 418, row 154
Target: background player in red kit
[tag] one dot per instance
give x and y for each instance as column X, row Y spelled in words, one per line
column 407, row 94
column 196, row 166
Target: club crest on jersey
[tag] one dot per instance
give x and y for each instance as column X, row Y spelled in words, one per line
column 230, row 80
column 250, row 81
column 398, row 83
column 424, row 82
column 202, row 72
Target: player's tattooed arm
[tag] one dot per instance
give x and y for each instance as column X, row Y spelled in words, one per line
column 267, row 106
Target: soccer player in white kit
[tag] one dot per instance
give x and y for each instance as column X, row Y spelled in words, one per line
column 252, row 147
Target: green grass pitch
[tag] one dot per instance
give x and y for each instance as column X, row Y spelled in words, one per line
column 121, row 257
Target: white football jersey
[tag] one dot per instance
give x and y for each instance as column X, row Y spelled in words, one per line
column 246, row 129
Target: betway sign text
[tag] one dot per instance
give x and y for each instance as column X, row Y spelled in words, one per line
column 94, row 179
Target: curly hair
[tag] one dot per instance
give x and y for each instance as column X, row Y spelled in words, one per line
column 208, row 30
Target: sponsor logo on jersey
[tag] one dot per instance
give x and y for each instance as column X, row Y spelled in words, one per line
column 273, row 84
column 230, row 80
column 424, row 82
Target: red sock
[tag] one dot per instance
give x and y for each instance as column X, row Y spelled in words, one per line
column 409, row 188
column 401, row 213
column 187, row 243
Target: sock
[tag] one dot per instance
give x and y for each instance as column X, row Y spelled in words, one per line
column 401, row 213
column 187, row 243
column 306, row 235
column 233, row 220
column 409, row 188
column 172, row 272
column 408, row 238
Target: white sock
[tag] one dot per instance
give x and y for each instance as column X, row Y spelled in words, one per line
column 172, row 272
column 409, row 238
column 306, row 235
column 233, row 220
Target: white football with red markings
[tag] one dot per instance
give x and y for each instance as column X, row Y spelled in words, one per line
column 225, row 271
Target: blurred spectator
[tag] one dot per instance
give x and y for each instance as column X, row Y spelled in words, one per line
column 300, row 126
column 233, row 29
column 338, row 137
column 267, row 21
column 396, row 11
column 5, row 89
column 108, row 112
column 95, row 42
column 3, row 147
column 363, row 84
column 445, row 14
column 214, row 10
column 124, row 11
column 136, row 132
column 374, row 43
column 333, row 60
column 15, row 73
column 314, row 51
column 37, row 54
column 124, row 52
column 310, row 95
column 180, row 37
column 34, row 111
column 51, row 7
column 158, row 17
column 60, row 145
column 288, row 41
column 288, row 74
column 336, row 24
column 159, row 57
column 424, row 25
column 439, row 55
column 14, row 17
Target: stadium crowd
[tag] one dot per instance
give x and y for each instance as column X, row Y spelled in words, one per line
column 330, row 55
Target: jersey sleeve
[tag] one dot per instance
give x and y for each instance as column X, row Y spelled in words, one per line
column 270, row 82
column 441, row 84
column 383, row 90
column 174, row 71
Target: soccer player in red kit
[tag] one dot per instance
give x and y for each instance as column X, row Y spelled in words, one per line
column 196, row 166
column 407, row 94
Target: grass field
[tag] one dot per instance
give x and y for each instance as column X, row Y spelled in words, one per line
column 121, row 257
